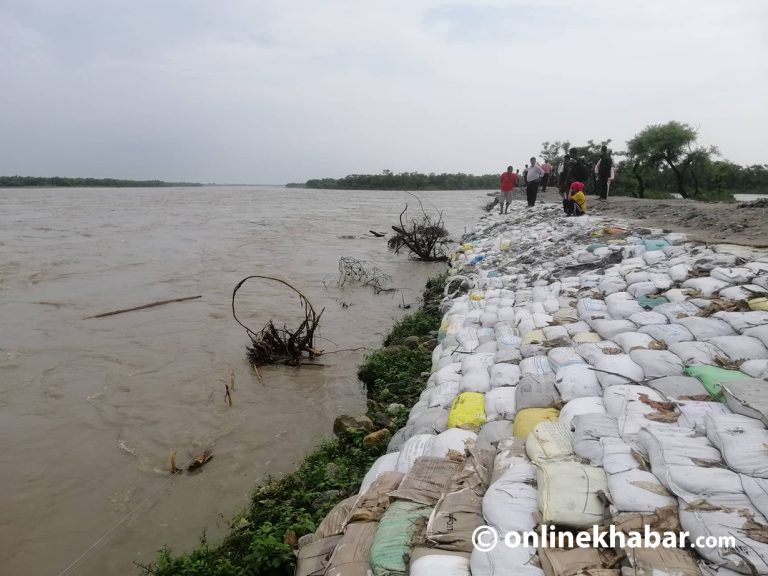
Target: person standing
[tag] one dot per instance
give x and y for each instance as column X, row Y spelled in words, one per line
column 605, row 170
column 534, row 175
column 525, row 176
column 547, row 167
column 577, row 171
column 562, row 176
column 508, row 183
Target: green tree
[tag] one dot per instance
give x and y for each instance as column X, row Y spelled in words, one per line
column 669, row 144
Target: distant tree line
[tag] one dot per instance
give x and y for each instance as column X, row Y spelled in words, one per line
column 387, row 180
column 57, row 181
column 667, row 158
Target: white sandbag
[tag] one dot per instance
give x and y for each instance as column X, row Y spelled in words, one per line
column 755, row 368
column 647, row 318
column 740, row 347
column 694, row 413
column 533, row 343
column 563, row 356
column 612, row 284
column 678, row 295
column 623, row 308
column 741, row 321
column 661, row 280
column 500, row 403
column 511, row 459
column 447, row 564
column 608, row 329
column 386, row 463
column 733, row 275
column 761, row 333
column 593, row 351
column 538, row 364
column 747, row 397
column 487, row 348
column 642, row 289
column 679, row 272
column 441, row 395
column 580, row 407
column 488, row 319
column 742, row 441
column 414, row 448
column 492, row 432
column 617, row 369
column 475, row 382
column 678, row 387
column 576, row 328
column 725, row 516
column 486, row 335
column 577, row 381
column 503, row 560
column 555, row 332
column 628, row 341
column 505, row 314
column 705, row 328
column 589, row 429
column 504, row 374
column 468, row 339
column 567, row 494
column 477, row 363
column 510, row 504
column 674, row 310
column 756, row 490
column 404, row 434
column 657, row 363
column 706, row 285
column 616, row 397
column 757, row 267
column 654, row 257
column 453, row 439
column 536, row 391
column 667, row 333
column 549, row 441
column 587, row 305
column 692, row 353
column 637, row 276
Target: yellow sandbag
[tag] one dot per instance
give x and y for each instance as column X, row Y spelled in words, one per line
column 468, row 247
column 467, row 411
column 534, row 336
column 477, row 296
column 505, row 244
column 527, row 418
column 758, row 304
column 583, row 337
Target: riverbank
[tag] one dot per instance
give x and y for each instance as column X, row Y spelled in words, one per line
column 262, row 539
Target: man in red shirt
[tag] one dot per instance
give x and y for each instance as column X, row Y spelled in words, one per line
column 508, row 183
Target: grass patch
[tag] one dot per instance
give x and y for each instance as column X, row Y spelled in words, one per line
column 261, row 539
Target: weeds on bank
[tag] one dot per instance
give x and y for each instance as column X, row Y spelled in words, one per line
column 262, row 538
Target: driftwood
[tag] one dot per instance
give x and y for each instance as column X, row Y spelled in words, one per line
column 144, row 306
column 377, row 234
column 273, row 345
column 426, row 238
column 364, row 272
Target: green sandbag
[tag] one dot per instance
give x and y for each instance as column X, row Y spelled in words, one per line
column 394, row 537
column 651, row 301
column 655, row 244
column 711, row 377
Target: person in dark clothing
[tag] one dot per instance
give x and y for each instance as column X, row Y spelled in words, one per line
column 577, row 171
column 562, row 176
column 604, row 170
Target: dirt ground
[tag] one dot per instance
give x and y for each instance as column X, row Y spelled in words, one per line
column 733, row 223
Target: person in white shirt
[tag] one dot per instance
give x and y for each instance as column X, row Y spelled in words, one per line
column 535, row 173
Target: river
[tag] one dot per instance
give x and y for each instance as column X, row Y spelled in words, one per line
column 90, row 409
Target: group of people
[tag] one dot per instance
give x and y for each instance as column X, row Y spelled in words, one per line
column 571, row 177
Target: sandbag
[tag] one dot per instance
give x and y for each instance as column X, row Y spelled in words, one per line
column 580, row 406
column 680, row 387
column 504, row 375
column 453, row 520
column 657, row 363
column 371, row 505
column 742, row 441
column 494, row 431
column 660, row 561
column 313, row 558
column 647, row 318
column 414, row 448
column 741, row 321
column 748, row 397
column 712, row 378
column 593, row 351
column 352, row 556
column 568, row 493
column 467, row 411
column 526, row 419
column 394, row 537
column 607, row 329
column 510, row 503
column 510, row 454
column 740, row 347
column 537, row 364
column 695, row 412
column 628, row 341
column 676, row 308
column 334, row 521
column 617, row 369
column 477, row 363
column 556, row 333
column 695, row 352
column 404, row 434
column 755, row 368
column 569, row 562
column 667, row 333
column 475, row 382
column 500, row 404
column 706, row 285
column 589, row 429
column 732, row 275
column 706, row 328
column 549, row 441
column 586, row 337
column 760, row 332
column 386, row 463
column 452, row 440
column 563, row 356
column 576, row 381
column 435, row 418
column 431, row 562
column 427, row 480
column 503, row 560
column 536, row 391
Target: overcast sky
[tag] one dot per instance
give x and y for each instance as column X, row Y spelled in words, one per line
column 267, row 91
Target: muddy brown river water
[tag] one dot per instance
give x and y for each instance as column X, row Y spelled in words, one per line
column 90, row 409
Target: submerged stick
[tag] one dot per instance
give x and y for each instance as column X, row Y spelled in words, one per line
column 150, row 305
